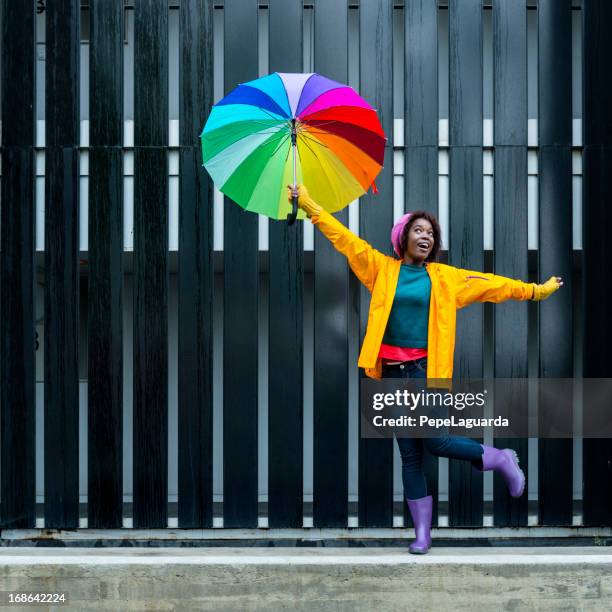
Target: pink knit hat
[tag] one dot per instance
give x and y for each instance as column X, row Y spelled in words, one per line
column 396, row 232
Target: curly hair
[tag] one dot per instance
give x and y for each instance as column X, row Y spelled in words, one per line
column 437, row 233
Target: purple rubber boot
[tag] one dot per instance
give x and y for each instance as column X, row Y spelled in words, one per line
column 420, row 510
column 505, row 461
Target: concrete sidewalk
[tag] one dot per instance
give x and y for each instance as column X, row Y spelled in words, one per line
column 356, row 579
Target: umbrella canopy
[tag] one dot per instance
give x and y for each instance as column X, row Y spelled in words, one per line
column 247, row 143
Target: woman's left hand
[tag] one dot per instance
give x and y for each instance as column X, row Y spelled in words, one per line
column 545, row 290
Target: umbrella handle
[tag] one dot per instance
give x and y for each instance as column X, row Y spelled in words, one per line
column 293, row 214
column 291, row 217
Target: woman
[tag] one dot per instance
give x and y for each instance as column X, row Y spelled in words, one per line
column 411, row 334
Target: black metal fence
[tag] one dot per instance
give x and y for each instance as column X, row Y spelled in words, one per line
column 499, row 339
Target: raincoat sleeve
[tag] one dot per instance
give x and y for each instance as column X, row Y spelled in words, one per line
column 472, row 286
column 365, row 260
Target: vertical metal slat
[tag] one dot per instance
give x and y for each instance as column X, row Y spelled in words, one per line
column 466, row 237
column 421, row 105
column 510, row 227
column 286, row 343
column 17, row 344
column 555, row 464
column 150, row 264
column 240, row 302
column 597, row 219
column 195, row 276
column 331, row 284
column 61, row 264
column 105, row 282
column 376, row 219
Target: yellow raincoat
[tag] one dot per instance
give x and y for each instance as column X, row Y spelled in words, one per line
column 451, row 288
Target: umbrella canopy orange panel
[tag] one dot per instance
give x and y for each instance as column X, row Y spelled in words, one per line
column 247, row 143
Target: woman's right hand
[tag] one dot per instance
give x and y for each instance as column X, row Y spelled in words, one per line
column 305, row 202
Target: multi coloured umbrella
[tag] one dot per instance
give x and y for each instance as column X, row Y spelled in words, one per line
column 292, row 128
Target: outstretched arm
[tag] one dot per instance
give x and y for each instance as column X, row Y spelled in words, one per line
column 475, row 286
column 365, row 260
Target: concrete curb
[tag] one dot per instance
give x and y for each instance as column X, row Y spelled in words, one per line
column 562, row 578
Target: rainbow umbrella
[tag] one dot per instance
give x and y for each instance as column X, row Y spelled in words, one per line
column 292, row 128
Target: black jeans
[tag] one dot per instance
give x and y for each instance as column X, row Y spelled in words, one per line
column 411, row 449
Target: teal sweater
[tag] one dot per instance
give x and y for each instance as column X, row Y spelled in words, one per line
column 407, row 325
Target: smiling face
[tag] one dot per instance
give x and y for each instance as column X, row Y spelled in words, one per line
column 420, row 242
